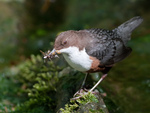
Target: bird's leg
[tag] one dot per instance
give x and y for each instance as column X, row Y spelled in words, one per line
column 84, row 80
column 84, row 91
column 80, row 90
column 103, row 76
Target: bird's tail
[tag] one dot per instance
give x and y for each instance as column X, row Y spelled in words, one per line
column 125, row 29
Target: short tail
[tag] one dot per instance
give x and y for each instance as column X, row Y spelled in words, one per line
column 125, row 29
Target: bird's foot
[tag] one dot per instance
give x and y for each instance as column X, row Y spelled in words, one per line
column 82, row 92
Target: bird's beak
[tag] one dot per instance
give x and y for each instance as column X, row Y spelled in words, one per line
column 54, row 52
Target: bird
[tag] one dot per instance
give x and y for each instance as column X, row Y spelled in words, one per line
column 95, row 50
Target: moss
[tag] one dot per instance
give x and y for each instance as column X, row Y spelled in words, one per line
column 38, row 79
column 75, row 104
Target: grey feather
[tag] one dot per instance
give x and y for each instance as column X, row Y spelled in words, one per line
column 125, row 29
column 109, row 46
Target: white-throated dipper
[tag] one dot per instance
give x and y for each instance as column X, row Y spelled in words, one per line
column 95, row 50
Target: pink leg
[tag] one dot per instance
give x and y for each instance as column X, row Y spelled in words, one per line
column 103, row 76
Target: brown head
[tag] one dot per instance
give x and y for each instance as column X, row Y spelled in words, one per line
column 79, row 39
column 66, row 39
column 71, row 38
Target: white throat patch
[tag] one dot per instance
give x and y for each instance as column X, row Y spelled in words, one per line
column 77, row 59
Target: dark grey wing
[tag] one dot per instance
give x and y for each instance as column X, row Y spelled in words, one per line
column 107, row 46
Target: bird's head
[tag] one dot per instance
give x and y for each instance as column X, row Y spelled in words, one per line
column 68, row 42
column 64, row 42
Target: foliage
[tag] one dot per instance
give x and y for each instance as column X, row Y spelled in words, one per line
column 75, row 104
column 10, row 91
column 39, row 80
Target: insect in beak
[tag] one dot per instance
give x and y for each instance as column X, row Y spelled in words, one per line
column 50, row 54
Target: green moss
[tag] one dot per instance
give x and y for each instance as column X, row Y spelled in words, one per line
column 39, row 80
column 75, row 104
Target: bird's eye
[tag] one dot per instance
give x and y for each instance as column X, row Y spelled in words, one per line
column 65, row 42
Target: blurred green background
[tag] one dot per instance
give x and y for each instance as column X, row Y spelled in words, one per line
column 28, row 26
